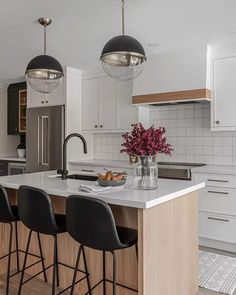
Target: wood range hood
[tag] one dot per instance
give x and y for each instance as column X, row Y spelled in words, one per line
column 177, row 97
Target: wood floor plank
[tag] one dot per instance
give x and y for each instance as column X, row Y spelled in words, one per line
column 38, row 287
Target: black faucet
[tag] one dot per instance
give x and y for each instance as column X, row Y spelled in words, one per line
column 64, row 171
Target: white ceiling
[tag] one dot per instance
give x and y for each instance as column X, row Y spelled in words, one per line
column 81, row 28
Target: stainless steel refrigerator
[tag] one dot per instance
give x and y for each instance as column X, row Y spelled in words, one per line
column 45, row 136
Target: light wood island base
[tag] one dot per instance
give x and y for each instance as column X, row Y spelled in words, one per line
column 167, row 249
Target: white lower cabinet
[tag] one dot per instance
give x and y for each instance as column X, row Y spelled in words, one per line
column 217, row 227
column 217, row 210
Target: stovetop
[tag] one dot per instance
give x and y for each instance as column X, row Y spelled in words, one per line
column 180, row 165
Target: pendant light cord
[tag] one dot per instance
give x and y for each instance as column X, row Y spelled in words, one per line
column 123, row 17
column 45, row 40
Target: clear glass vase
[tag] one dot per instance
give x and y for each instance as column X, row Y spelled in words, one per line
column 146, row 173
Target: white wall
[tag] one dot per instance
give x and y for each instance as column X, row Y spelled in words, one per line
column 188, row 130
column 8, row 143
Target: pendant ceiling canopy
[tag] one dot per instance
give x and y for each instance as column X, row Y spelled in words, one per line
column 123, row 56
column 44, row 73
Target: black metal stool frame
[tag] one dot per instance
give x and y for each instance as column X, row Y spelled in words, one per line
column 104, row 279
column 17, row 251
column 55, row 265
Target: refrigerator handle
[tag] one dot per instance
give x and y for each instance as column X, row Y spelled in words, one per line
column 45, row 140
column 39, row 162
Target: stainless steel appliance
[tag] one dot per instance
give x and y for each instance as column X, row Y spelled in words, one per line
column 45, row 136
column 177, row 170
column 15, row 168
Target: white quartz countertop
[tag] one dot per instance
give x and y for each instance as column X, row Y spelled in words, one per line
column 129, row 197
column 103, row 163
column 215, row 169
column 14, row 159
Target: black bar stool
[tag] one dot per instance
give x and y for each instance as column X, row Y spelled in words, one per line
column 36, row 212
column 91, row 223
column 9, row 215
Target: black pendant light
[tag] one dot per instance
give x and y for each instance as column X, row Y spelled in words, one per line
column 44, row 73
column 123, row 56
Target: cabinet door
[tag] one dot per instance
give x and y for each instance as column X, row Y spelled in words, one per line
column 224, row 103
column 108, row 98
column 36, row 99
column 126, row 111
column 13, row 112
column 91, row 104
column 13, row 107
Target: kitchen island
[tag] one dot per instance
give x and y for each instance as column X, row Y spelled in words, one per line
column 166, row 220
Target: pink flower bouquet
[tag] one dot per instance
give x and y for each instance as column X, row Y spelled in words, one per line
column 146, row 142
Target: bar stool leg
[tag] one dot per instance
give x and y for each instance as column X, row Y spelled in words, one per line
column 114, row 272
column 25, row 261
column 54, row 265
column 104, row 272
column 42, row 259
column 136, row 248
column 17, row 248
column 86, row 270
column 57, row 265
column 75, row 271
column 9, row 260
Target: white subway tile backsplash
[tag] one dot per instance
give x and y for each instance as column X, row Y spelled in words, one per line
column 188, row 131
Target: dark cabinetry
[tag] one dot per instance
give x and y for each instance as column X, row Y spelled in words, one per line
column 3, row 168
column 17, row 102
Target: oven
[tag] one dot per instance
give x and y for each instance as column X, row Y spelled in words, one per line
column 16, row 168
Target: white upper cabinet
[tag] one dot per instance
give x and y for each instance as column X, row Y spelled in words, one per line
column 174, row 71
column 90, row 104
column 61, row 95
column 36, row 99
column 107, row 104
column 223, row 79
column 108, row 101
column 127, row 114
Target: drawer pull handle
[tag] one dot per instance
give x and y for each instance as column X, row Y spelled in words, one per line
column 217, row 180
column 1, row 171
column 87, row 170
column 218, row 219
column 221, row 193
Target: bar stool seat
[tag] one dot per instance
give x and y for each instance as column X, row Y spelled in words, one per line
column 10, row 216
column 61, row 223
column 15, row 212
column 127, row 237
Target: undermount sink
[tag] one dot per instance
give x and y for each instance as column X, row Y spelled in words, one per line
column 82, row 177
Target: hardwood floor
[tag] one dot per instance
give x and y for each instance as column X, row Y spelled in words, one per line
column 38, row 287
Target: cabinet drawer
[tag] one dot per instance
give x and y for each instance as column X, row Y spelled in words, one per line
column 3, row 168
column 217, row 180
column 217, row 227
column 218, row 200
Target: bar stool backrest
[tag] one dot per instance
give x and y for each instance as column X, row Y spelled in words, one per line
column 91, row 223
column 36, row 210
column 6, row 214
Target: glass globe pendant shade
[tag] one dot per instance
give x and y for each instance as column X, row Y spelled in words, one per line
column 44, row 74
column 123, row 58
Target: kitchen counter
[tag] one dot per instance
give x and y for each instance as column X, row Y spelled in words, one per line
column 13, row 159
column 217, row 169
column 166, row 221
column 168, row 189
